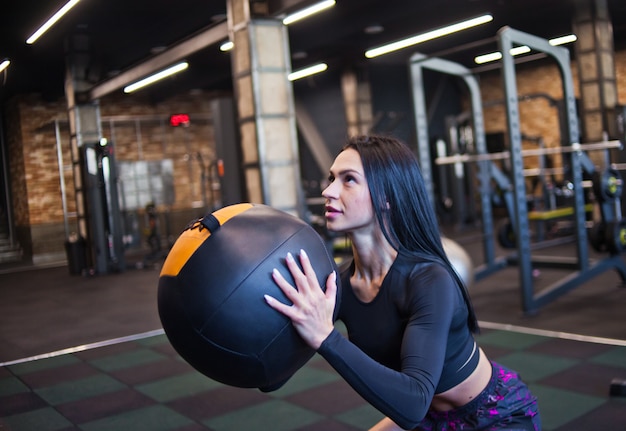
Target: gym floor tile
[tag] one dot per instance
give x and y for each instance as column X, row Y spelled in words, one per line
column 100, row 406
column 78, row 389
column 53, row 376
column 319, row 363
column 558, row 407
column 179, row 386
column 19, row 403
column 615, row 357
column 569, row 348
column 585, row 378
column 362, row 417
column 219, row 401
column 275, row 415
column 151, row 372
column 511, row 340
column 12, row 385
column 494, row 352
column 43, row 364
column 159, row 343
column 329, row 425
column 152, row 418
column 330, row 399
column 104, row 351
column 44, row 419
column 533, row 366
column 305, row 378
column 609, row 416
column 128, row 359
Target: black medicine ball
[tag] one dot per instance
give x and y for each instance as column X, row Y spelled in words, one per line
column 211, row 291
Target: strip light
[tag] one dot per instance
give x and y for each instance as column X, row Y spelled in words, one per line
column 306, row 12
column 226, row 46
column 156, row 77
column 51, row 21
column 563, row 40
column 290, row 19
column 307, row 71
column 494, row 56
column 5, row 63
column 429, row 35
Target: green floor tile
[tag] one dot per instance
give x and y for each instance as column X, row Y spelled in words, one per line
column 155, row 340
column 363, row 417
column 275, row 415
column 79, row 389
column 43, row 364
column 615, row 357
column 45, row 419
column 180, row 386
column 558, row 407
column 128, row 359
column 305, row 378
column 509, row 340
column 535, row 366
column 11, row 386
column 153, row 418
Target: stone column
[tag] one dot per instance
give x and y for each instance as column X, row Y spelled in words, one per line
column 357, row 99
column 266, row 115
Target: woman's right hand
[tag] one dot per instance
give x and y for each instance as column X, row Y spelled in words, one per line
column 312, row 310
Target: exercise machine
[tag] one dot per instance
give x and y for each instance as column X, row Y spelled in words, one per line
column 514, row 186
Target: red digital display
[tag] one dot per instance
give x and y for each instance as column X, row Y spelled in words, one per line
column 179, row 120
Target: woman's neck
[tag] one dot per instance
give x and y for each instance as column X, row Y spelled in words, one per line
column 373, row 256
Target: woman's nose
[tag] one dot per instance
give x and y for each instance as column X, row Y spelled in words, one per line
column 328, row 192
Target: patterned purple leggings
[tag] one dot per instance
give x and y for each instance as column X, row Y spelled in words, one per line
column 505, row 404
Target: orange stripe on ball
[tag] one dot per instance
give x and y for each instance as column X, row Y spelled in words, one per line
column 226, row 213
column 189, row 241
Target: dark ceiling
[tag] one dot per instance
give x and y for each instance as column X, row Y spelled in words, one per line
column 124, row 34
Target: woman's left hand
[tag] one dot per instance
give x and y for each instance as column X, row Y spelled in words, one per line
column 312, row 309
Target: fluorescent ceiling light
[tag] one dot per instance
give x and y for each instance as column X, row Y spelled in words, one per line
column 563, row 40
column 290, row 19
column 226, row 46
column 494, row 56
column 486, row 58
column 156, row 77
column 306, row 12
column 308, row 71
column 5, row 63
column 429, row 35
column 51, row 21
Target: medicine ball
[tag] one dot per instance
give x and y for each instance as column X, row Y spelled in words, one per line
column 460, row 260
column 211, row 288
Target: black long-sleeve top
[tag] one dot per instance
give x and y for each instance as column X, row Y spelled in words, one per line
column 409, row 343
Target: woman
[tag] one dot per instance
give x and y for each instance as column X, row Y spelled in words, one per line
column 410, row 351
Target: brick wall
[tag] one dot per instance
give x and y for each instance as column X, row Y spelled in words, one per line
column 538, row 116
column 139, row 130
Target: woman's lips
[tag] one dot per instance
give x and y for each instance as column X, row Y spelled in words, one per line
column 331, row 211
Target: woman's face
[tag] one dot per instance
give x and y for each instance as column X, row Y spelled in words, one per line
column 348, row 201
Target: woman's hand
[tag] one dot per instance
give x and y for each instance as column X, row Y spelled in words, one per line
column 312, row 309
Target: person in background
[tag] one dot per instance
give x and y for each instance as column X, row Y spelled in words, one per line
column 153, row 236
column 410, row 349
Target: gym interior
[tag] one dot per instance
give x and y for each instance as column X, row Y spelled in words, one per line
column 516, row 111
